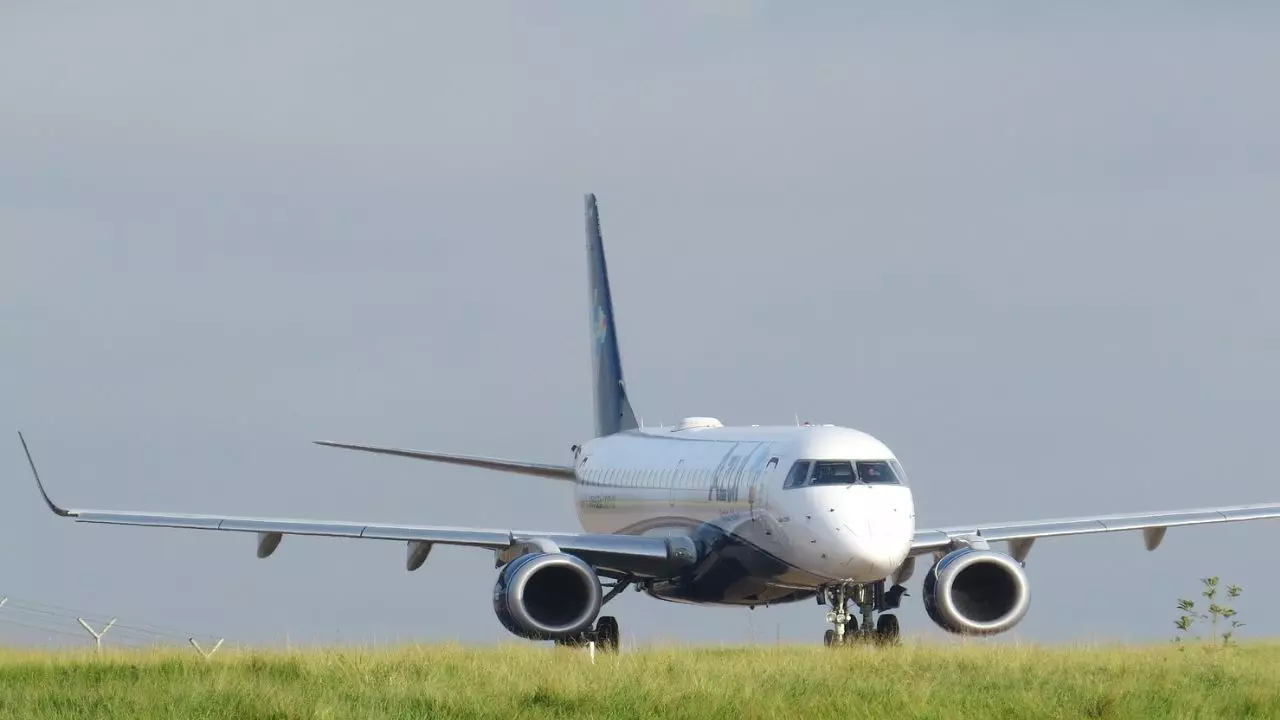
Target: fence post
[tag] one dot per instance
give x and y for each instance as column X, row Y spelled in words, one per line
column 97, row 636
column 201, row 650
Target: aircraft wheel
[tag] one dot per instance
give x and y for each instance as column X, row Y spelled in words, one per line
column 888, row 629
column 829, row 637
column 608, row 636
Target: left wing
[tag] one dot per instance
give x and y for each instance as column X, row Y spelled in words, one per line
column 1020, row 535
column 519, row 467
column 631, row 556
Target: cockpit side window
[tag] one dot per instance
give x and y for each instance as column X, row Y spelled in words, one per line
column 877, row 472
column 799, row 471
column 897, row 470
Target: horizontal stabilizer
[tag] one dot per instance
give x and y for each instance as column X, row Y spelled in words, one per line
column 557, row 472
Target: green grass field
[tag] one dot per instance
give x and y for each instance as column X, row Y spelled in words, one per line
column 974, row 682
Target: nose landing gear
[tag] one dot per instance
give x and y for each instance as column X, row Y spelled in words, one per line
column 870, row 598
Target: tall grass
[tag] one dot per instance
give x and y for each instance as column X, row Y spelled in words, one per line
column 912, row 681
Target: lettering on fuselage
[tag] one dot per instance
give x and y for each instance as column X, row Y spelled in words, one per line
column 725, row 481
column 600, row 501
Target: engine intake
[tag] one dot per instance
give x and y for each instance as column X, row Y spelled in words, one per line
column 547, row 596
column 976, row 592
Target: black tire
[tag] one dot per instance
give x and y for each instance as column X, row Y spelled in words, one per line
column 829, row 638
column 888, row 629
column 608, row 636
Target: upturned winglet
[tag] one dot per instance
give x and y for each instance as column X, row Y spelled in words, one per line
column 47, row 500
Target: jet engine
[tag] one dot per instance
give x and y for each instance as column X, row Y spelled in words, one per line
column 547, row 596
column 976, row 592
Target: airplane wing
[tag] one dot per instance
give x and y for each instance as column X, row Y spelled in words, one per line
column 557, row 472
column 630, row 556
column 1020, row 535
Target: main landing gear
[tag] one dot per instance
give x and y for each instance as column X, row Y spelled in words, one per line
column 606, row 636
column 869, row 598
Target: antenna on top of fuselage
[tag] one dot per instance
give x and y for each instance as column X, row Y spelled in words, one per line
column 613, row 411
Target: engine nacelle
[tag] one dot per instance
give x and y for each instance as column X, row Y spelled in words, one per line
column 976, row 592
column 547, row 596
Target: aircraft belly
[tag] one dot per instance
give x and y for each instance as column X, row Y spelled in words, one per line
column 739, row 564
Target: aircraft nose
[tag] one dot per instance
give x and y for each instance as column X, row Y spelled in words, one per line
column 872, row 557
column 875, row 536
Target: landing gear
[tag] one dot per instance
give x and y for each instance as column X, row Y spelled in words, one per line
column 869, row 598
column 887, row 628
column 606, row 636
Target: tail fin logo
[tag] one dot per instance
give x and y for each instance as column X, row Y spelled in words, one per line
column 601, row 326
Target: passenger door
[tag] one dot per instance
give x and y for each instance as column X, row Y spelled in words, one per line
column 675, row 482
column 762, row 463
column 733, row 473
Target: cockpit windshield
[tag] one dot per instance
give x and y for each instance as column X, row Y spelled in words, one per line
column 805, row 473
column 833, row 472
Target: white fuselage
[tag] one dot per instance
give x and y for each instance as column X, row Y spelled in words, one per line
column 701, row 474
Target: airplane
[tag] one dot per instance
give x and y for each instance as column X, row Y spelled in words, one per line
column 704, row 513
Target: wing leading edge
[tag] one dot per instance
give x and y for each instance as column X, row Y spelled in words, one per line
column 1153, row 525
column 557, row 472
column 611, row 555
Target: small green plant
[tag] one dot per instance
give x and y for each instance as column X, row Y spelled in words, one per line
column 1217, row 613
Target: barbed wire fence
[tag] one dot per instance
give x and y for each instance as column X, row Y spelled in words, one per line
column 23, row 622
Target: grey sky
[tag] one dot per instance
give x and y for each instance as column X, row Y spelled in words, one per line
column 1029, row 248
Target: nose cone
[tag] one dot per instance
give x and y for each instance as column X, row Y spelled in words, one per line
column 877, row 552
column 870, row 529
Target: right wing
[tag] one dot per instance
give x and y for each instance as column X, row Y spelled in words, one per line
column 630, row 556
column 1153, row 524
column 557, row 472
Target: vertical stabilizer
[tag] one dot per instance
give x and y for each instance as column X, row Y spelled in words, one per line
column 613, row 409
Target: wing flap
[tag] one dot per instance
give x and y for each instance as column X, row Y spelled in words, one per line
column 555, row 472
column 473, row 537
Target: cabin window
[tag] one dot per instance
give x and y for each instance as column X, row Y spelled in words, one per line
column 799, row 471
